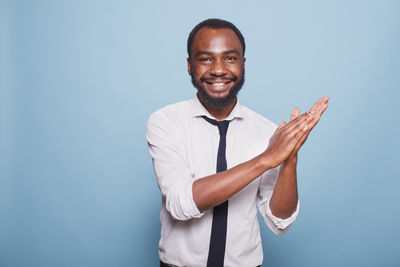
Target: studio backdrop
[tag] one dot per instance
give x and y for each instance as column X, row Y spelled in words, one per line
column 79, row 80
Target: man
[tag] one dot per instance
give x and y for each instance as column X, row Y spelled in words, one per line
column 209, row 218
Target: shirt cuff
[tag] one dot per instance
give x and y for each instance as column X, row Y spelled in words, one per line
column 180, row 203
column 282, row 223
column 190, row 205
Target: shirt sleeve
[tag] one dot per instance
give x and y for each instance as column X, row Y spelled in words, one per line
column 277, row 225
column 175, row 179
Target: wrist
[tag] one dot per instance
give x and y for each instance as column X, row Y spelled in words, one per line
column 292, row 159
column 266, row 162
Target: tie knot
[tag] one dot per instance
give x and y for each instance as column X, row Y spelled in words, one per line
column 222, row 125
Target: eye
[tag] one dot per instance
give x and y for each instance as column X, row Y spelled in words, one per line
column 231, row 58
column 205, row 59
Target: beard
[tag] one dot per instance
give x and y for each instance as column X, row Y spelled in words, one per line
column 219, row 102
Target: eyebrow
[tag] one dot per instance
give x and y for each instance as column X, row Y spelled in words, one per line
column 203, row 52
column 234, row 51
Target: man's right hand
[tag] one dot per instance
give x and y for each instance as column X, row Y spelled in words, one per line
column 289, row 137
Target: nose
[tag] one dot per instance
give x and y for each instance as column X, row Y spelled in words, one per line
column 218, row 68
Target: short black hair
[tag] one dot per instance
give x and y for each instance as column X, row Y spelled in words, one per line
column 214, row 24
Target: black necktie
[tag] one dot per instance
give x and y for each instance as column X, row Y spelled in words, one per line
column 216, row 253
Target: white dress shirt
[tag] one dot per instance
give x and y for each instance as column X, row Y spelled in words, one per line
column 184, row 148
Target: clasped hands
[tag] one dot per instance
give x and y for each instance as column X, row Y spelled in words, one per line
column 289, row 137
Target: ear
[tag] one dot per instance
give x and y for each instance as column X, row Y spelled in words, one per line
column 244, row 63
column 189, row 66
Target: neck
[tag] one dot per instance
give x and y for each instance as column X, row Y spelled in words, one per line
column 218, row 113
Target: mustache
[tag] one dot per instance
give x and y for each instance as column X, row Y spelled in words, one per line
column 219, row 79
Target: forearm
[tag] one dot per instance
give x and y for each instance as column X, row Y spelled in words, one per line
column 285, row 196
column 215, row 189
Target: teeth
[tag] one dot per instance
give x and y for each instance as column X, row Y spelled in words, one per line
column 218, row 84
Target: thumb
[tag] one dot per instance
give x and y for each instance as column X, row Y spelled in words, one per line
column 295, row 113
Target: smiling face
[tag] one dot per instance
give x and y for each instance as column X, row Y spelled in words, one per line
column 216, row 65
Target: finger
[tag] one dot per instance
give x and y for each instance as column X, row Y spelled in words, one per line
column 302, row 126
column 305, row 136
column 295, row 132
column 318, row 113
column 300, row 120
column 281, row 126
column 319, row 109
column 316, row 104
column 311, row 126
column 321, row 101
column 319, row 104
column 295, row 113
column 301, row 141
column 299, row 132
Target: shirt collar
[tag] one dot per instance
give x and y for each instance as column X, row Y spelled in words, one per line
column 197, row 110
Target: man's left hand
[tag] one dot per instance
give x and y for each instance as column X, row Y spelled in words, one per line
column 318, row 108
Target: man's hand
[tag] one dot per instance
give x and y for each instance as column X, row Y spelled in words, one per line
column 318, row 108
column 289, row 137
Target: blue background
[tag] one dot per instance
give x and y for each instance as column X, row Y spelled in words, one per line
column 80, row 78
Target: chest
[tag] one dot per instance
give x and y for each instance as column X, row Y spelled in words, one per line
column 201, row 142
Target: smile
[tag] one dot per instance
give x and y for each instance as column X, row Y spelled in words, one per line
column 218, row 86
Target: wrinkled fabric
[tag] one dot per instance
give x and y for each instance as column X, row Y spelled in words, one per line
column 184, row 147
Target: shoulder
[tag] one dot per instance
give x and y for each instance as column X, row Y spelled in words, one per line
column 169, row 118
column 170, row 112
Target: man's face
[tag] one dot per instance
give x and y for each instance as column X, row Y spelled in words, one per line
column 217, row 66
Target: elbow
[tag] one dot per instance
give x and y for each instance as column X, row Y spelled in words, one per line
column 277, row 225
column 176, row 212
column 181, row 207
column 282, row 215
